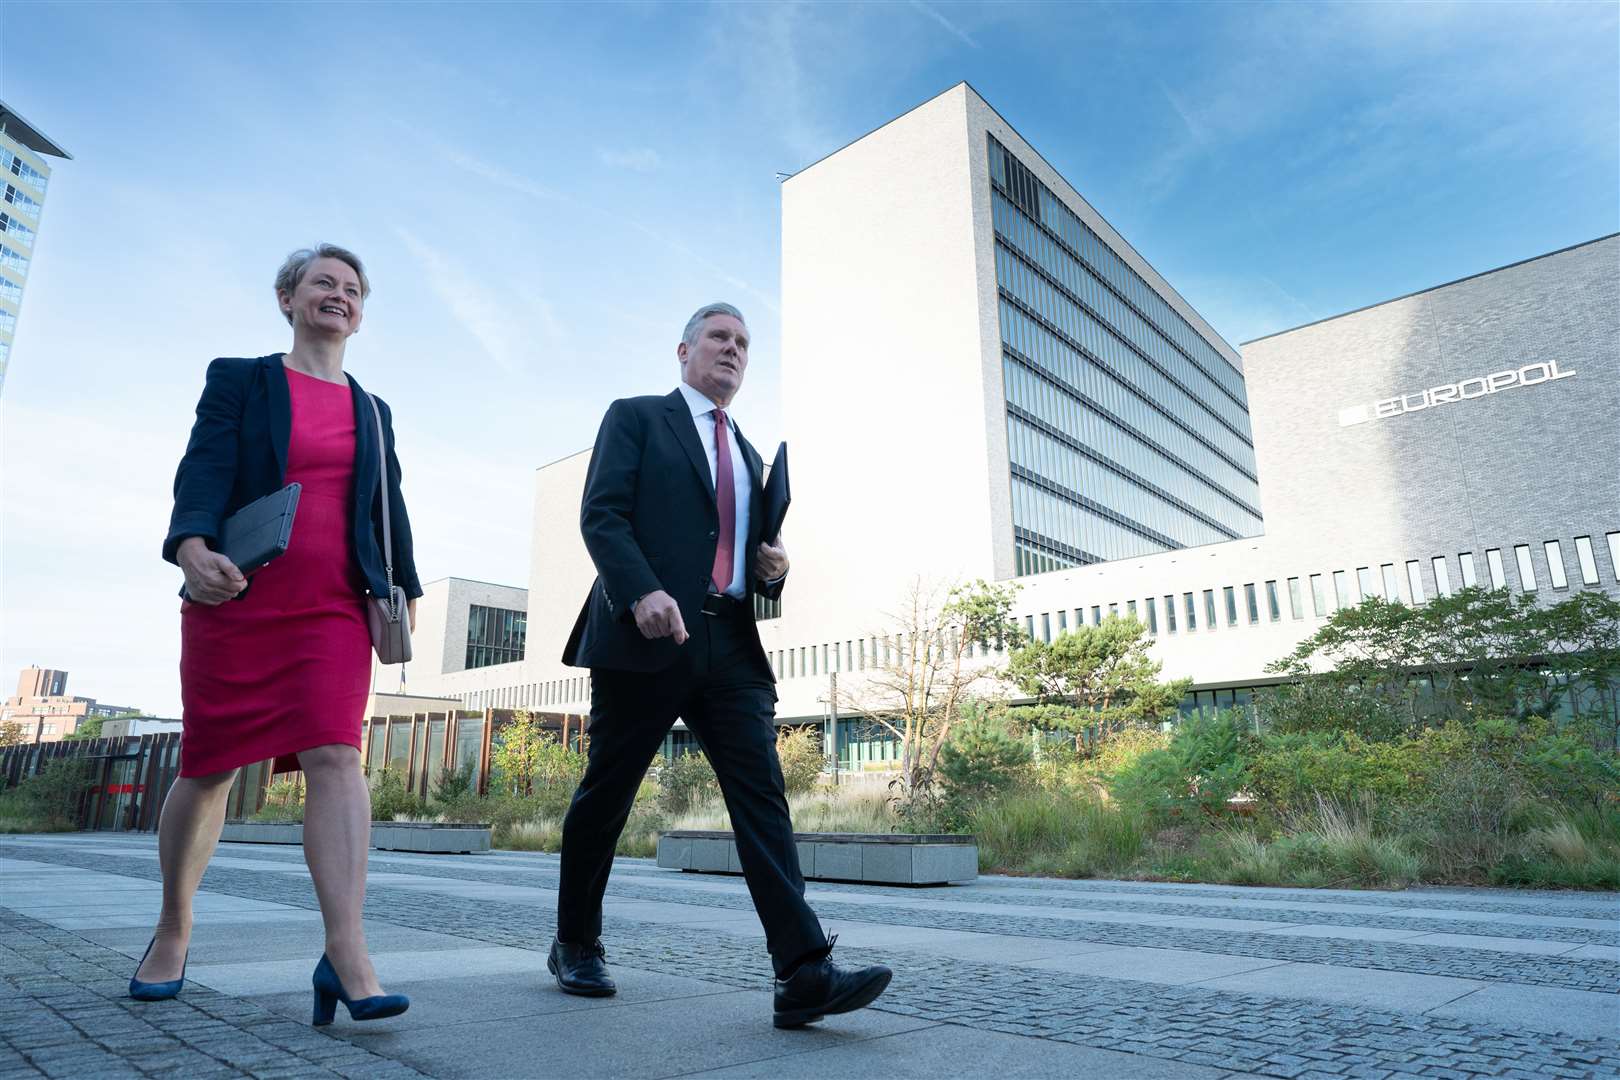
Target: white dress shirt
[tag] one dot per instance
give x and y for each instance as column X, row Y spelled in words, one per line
column 703, row 416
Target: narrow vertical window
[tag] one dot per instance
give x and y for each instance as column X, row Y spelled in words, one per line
column 1170, row 613
column 1273, row 607
column 1113, row 611
column 1296, row 604
column 1230, row 595
column 1555, row 564
column 1583, row 553
column 1079, row 617
column 1341, row 588
column 1364, row 581
column 1493, row 562
column 1527, row 569
column 1414, row 580
column 1046, row 627
column 1152, row 615
column 1063, row 621
column 1130, row 608
column 1392, row 585
column 1614, row 553
column 1470, row 569
column 1209, row 608
column 1029, row 626
column 1442, row 576
column 1096, row 614
column 1319, row 605
column 1192, row 612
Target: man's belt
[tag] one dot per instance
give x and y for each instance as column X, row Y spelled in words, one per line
column 718, row 604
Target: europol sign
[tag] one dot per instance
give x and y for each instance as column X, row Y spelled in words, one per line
column 1451, row 393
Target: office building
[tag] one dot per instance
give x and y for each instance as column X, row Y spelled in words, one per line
column 26, row 174
column 982, row 379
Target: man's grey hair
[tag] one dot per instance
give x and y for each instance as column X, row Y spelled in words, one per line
column 695, row 323
column 298, row 263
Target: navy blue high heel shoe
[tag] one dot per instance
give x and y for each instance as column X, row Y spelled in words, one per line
column 329, row 991
column 156, row 991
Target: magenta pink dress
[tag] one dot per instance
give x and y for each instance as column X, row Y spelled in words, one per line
column 287, row 667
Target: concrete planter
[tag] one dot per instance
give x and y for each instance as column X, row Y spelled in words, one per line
column 425, row 836
column 873, row 858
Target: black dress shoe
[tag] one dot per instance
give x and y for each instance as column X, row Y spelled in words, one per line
column 821, row 988
column 580, row 969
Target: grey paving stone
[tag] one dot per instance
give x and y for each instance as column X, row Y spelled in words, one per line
column 1539, row 1008
column 1177, row 967
column 948, row 1050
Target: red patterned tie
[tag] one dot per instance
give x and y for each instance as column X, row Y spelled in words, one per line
column 725, row 495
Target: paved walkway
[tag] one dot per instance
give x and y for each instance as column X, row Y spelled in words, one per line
column 1011, row 977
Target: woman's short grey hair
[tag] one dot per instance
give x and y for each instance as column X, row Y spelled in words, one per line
column 297, row 265
column 695, row 323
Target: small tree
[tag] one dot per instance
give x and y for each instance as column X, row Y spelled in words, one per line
column 88, row 728
column 13, row 733
column 927, row 670
column 517, row 752
column 1094, row 681
column 983, row 756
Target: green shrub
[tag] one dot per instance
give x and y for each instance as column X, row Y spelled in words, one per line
column 685, row 782
column 982, row 758
column 1203, row 766
column 451, row 786
column 283, row 801
column 391, row 800
column 799, row 752
column 48, row 801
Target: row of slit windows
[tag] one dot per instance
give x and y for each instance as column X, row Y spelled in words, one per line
column 1267, row 601
column 1317, row 595
column 1029, row 193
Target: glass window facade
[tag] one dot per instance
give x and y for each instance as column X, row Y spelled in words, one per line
column 494, row 635
column 1128, row 431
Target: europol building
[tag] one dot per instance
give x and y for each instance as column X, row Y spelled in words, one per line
column 1019, row 395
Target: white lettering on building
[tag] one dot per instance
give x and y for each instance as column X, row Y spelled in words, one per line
column 1478, row 386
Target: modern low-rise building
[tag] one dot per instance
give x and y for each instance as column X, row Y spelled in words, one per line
column 25, row 174
column 47, row 712
column 982, row 379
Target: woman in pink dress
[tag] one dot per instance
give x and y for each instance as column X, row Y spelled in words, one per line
column 279, row 666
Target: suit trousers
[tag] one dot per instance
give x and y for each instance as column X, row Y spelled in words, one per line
column 720, row 685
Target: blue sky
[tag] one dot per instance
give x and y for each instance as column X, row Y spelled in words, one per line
column 543, row 192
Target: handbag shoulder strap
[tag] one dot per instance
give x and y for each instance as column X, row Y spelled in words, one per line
column 382, row 470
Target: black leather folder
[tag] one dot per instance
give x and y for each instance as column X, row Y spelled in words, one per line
column 777, row 496
column 257, row 534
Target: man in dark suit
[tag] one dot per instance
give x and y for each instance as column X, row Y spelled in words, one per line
column 672, row 518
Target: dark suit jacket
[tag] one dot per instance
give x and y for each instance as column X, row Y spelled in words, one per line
column 650, row 522
column 238, row 453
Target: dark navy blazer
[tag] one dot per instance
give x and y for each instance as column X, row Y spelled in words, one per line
column 238, row 453
column 650, row 522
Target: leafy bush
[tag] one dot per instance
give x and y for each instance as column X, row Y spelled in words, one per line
column 452, row 786
column 799, row 751
column 283, row 801
column 48, row 801
column 1204, row 765
column 982, row 757
column 390, row 799
column 685, row 782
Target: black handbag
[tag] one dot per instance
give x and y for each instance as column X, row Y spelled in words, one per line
column 258, row 534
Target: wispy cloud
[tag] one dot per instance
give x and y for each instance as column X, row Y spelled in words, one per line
column 473, row 304
column 956, row 31
column 642, row 159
